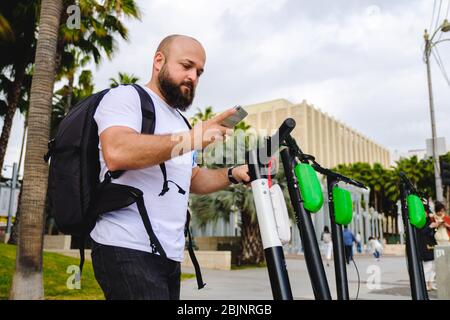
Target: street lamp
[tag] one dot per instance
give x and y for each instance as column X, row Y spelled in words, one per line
column 429, row 44
column 445, row 26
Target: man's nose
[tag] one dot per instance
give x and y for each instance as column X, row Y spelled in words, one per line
column 192, row 75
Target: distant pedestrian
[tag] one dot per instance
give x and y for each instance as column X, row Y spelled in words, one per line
column 426, row 243
column 375, row 247
column 358, row 242
column 442, row 224
column 327, row 244
column 349, row 239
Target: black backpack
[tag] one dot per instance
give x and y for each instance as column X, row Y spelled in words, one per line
column 77, row 197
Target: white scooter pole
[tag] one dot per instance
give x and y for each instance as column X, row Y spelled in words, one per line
column 273, row 250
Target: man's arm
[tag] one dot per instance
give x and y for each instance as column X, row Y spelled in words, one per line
column 206, row 181
column 124, row 149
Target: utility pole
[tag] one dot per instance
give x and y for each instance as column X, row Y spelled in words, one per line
column 11, row 202
column 437, row 169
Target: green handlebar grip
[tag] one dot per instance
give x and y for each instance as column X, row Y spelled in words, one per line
column 343, row 206
column 416, row 211
column 310, row 188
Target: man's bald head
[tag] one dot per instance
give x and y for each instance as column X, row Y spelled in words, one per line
column 166, row 44
column 177, row 66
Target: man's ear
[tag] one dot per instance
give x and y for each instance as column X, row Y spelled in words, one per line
column 159, row 60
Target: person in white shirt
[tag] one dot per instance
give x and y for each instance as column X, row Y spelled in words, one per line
column 358, row 242
column 124, row 263
column 375, row 247
column 327, row 245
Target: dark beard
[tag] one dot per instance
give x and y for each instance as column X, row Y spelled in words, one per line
column 172, row 92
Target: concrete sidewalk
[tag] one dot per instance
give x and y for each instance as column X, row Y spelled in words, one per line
column 249, row 284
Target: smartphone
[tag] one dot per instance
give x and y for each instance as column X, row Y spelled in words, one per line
column 235, row 118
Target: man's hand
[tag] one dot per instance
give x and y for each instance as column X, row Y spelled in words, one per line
column 241, row 174
column 209, row 131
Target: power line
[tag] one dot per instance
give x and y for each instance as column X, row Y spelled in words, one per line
column 448, row 9
column 437, row 17
column 446, row 16
column 440, row 64
column 432, row 16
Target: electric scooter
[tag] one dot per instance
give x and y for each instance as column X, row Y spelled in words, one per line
column 340, row 208
column 414, row 217
column 306, row 197
column 271, row 210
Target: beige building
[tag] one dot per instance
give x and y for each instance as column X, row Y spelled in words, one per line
column 318, row 134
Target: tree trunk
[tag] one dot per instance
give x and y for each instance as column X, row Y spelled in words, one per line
column 27, row 281
column 252, row 248
column 13, row 100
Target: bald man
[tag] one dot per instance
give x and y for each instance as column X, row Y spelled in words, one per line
column 124, row 263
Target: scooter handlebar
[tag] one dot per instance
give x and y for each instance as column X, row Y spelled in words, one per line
column 280, row 135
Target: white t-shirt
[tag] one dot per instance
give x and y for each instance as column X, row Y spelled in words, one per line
column 374, row 244
column 124, row 228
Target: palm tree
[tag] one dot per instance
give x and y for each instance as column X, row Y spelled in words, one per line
column 27, row 281
column 75, row 60
column 99, row 24
column 123, row 78
column 202, row 115
column 15, row 60
column 81, row 90
column 6, row 32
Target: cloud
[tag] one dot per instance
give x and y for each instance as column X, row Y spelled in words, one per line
column 360, row 61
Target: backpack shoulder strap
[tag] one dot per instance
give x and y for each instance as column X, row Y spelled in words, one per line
column 148, row 126
column 148, row 110
column 198, row 272
column 187, row 232
column 185, row 120
column 148, row 119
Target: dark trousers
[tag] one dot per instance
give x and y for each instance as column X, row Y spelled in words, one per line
column 127, row 274
column 348, row 254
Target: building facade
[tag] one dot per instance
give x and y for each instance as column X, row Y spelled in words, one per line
column 318, row 134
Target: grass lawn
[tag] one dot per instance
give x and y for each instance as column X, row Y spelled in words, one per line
column 55, row 276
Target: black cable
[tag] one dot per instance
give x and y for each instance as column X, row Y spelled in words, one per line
column 448, row 10
column 359, row 279
column 437, row 17
column 432, row 16
column 440, row 65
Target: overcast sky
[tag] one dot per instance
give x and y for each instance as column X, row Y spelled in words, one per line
column 359, row 61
